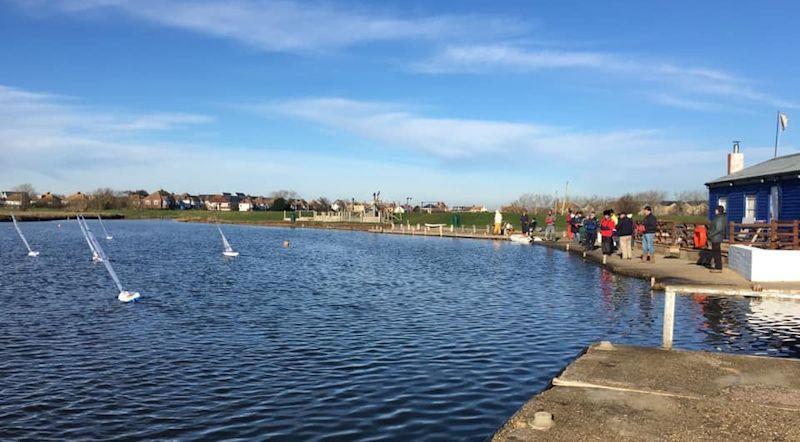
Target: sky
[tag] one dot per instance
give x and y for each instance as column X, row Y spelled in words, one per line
column 464, row 102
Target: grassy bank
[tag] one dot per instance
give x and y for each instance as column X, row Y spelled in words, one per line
column 479, row 220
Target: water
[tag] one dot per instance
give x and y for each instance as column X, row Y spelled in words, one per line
column 344, row 335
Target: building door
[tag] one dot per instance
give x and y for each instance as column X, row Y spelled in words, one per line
column 774, row 204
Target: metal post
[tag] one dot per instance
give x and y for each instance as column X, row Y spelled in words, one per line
column 669, row 319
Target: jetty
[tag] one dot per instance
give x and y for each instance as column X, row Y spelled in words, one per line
column 616, row 392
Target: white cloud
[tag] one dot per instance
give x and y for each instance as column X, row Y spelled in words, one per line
column 290, row 26
column 390, row 125
column 476, row 59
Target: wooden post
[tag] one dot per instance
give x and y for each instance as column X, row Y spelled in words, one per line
column 674, row 233
column 731, row 233
column 669, row 319
column 473, row 230
column 773, row 234
column 796, row 232
column 440, row 231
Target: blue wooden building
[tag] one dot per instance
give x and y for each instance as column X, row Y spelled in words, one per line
column 761, row 193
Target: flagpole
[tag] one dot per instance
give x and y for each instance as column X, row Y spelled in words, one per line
column 777, row 131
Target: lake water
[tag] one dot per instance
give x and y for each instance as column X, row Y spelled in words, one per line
column 344, row 335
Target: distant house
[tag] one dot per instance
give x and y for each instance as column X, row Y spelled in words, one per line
column 16, row 200
column 158, row 200
column 49, row 200
column 246, row 204
column 186, row 201
column 764, row 192
column 77, row 201
column 223, row 203
column 435, row 207
column 262, row 203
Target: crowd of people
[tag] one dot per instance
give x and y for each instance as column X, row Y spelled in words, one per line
column 616, row 232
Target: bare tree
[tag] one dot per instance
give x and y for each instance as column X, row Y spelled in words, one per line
column 27, row 188
column 285, row 194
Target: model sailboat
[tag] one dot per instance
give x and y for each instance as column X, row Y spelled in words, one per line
column 16, row 226
column 227, row 249
column 108, row 237
column 124, row 295
column 86, row 235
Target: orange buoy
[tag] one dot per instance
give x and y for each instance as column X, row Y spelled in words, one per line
column 700, row 236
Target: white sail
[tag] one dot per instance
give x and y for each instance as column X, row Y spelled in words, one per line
column 16, row 226
column 85, row 230
column 106, row 261
column 100, row 255
column 227, row 249
column 108, row 237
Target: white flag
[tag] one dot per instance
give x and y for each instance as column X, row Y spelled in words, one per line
column 784, row 120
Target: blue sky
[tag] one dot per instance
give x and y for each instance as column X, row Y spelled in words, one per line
column 467, row 102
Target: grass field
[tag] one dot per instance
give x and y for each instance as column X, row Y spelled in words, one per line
column 479, row 220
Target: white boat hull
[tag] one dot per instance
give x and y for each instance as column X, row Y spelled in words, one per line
column 520, row 239
column 126, row 296
column 33, row 253
column 231, row 254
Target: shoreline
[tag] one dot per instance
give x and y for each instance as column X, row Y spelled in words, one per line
column 677, row 274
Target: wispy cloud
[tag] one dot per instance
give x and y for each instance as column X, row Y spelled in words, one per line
column 289, row 26
column 51, row 134
column 479, row 59
column 394, row 126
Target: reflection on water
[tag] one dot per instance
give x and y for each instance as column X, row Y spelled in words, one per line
column 345, row 335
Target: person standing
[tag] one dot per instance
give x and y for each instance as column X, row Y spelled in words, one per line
column 649, row 237
column 550, row 226
column 607, row 227
column 625, row 232
column 590, row 231
column 498, row 222
column 575, row 226
column 523, row 222
column 570, row 216
column 715, row 236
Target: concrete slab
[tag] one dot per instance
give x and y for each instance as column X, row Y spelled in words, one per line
column 634, row 393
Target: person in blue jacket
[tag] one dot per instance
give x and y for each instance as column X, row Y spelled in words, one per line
column 590, row 224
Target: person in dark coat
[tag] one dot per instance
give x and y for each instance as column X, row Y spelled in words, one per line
column 715, row 236
column 625, row 231
column 523, row 222
column 649, row 237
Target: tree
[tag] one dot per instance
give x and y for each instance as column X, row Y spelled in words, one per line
column 104, row 199
column 278, row 205
column 27, row 188
column 285, row 195
column 626, row 204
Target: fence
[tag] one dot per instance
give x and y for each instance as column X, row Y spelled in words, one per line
column 772, row 235
column 676, row 234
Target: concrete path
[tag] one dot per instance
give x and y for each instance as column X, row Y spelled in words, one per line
column 681, row 273
column 634, row 393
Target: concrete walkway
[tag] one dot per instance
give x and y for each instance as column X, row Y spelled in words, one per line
column 682, row 274
column 634, row 393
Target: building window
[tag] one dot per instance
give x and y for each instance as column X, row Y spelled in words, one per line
column 723, row 201
column 750, row 207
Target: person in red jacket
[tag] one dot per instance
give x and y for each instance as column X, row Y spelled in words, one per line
column 607, row 227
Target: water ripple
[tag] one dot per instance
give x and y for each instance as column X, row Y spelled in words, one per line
column 343, row 336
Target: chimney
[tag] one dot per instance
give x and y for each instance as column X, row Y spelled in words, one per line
column 735, row 159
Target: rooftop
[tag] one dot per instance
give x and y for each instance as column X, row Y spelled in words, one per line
column 786, row 164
